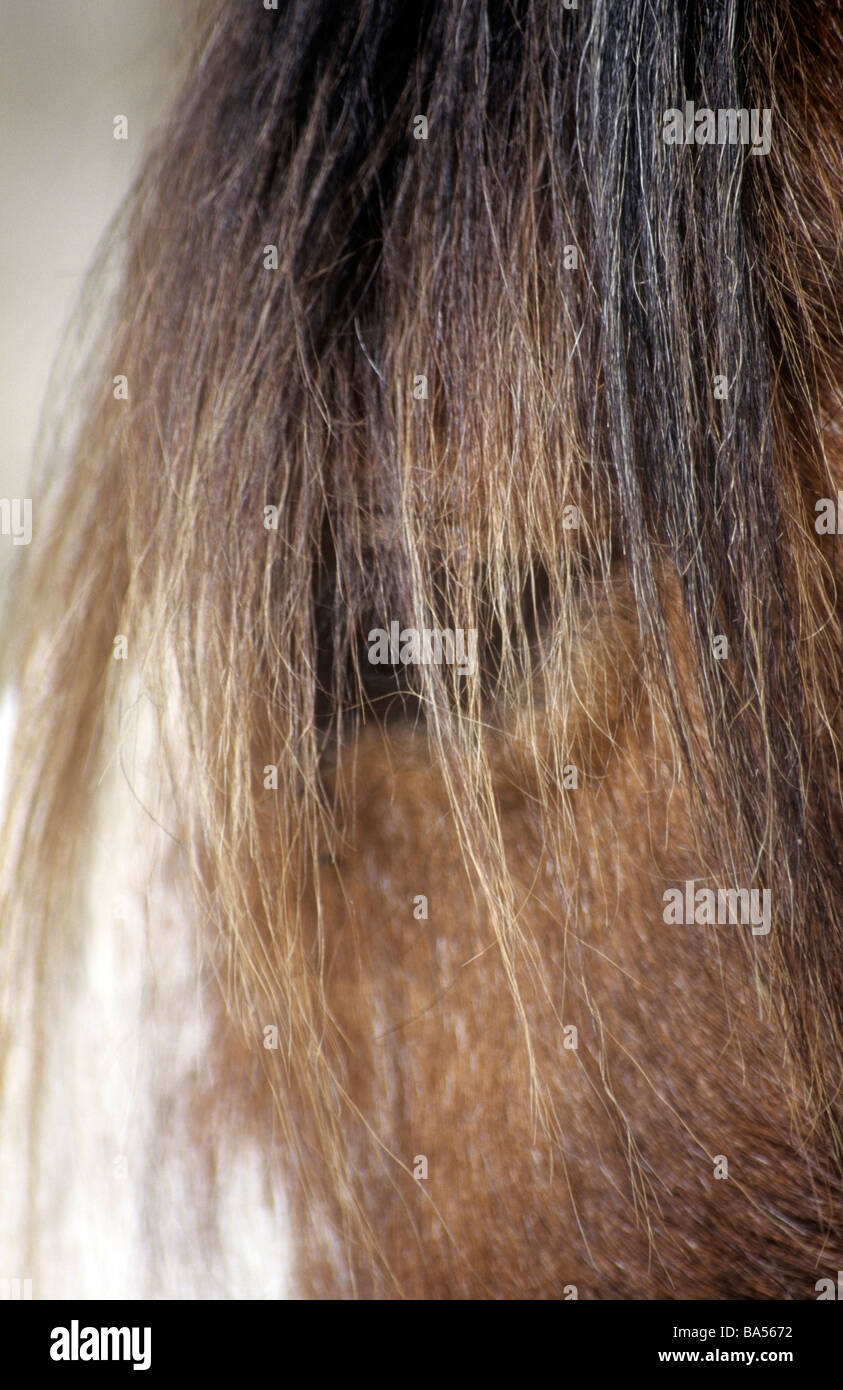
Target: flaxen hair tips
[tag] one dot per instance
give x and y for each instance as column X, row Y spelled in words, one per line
column 426, row 325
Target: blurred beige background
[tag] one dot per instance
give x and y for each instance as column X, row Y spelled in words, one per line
column 67, row 67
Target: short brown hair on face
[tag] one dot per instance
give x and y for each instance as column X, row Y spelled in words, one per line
column 527, row 371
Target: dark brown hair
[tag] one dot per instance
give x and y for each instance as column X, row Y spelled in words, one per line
column 574, row 291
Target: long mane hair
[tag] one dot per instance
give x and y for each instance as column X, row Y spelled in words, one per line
column 466, row 376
